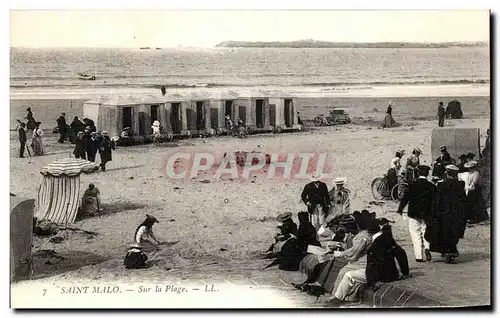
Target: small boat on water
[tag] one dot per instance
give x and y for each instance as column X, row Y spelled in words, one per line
column 85, row 76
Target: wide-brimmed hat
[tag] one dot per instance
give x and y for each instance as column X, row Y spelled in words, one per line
column 316, row 176
column 156, row 123
column 104, row 132
column 384, row 221
column 391, row 103
column 372, row 225
column 284, row 216
column 452, row 168
column 340, row 180
column 470, row 164
column 443, row 148
column 126, row 128
column 417, row 150
column 152, row 218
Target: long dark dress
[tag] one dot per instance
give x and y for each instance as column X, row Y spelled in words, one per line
column 79, row 150
column 105, row 148
column 30, row 125
column 90, row 147
column 475, row 206
column 447, row 224
column 381, row 256
column 76, row 126
column 441, row 162
column 306, row 234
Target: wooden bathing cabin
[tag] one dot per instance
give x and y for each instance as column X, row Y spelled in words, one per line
column 184, row 115
column 114, row 113
column 253, row 109
column 283, row 112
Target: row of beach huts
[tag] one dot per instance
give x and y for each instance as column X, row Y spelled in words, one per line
column 195, row 113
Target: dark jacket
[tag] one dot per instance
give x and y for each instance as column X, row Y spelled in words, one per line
column 381, row 256
column 448, row 222
column 441, row 111
column 389, row 110
column 306, row 234
column 61, row 124
column 441, row 162
column 420, row 199
column 22, row 135
column 316, row 195
column 105, row 147
column 80, row 147
column 77, row 125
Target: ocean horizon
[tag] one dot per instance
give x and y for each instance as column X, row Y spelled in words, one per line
column 346, row 72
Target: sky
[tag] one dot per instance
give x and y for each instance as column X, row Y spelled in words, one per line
column 133, row 28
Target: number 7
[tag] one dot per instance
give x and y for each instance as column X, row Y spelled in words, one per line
column 44, row 292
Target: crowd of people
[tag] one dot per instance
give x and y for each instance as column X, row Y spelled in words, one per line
column 83, row 134
column 342, row 252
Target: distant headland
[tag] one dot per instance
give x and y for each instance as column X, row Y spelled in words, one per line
column 326, row 44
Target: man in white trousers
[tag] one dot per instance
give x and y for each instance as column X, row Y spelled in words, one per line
column 315, row 196
column 420, row 200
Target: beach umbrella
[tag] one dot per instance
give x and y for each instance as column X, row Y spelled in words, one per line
column 59, row 192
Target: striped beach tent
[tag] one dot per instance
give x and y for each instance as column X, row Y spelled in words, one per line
column 59, row 193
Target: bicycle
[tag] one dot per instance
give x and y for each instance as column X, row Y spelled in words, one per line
column 380, row 188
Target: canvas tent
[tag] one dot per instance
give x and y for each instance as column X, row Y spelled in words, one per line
column 21, row 237
column 457, row 140
column 59, row 193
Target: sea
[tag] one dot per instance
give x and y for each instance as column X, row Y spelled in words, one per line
column 310, row 72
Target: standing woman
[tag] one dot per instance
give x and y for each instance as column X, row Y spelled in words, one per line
column 412, row 163
column 475, row 207
column 389, row 120
column 392, row 173
column 105, row 148
column 37, row 143
column 31, row 120
column 79, row 151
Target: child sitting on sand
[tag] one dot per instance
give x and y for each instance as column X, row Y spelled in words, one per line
column 135, row 257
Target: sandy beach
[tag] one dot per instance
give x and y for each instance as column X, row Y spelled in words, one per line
column 226, row 223
column 361, row 109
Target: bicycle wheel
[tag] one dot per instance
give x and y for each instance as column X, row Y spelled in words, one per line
column 379, row 187
column 398, row 191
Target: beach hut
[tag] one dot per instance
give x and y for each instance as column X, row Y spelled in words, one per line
column 21, row 237
column 113, row 113
column 198, row 112
column 59, row 193
column 283, row 112
column 457, row 140
column 222, row 103
column 253, row 108
column 175, row 119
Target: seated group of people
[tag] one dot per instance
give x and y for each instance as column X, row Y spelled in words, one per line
column 359, row 243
